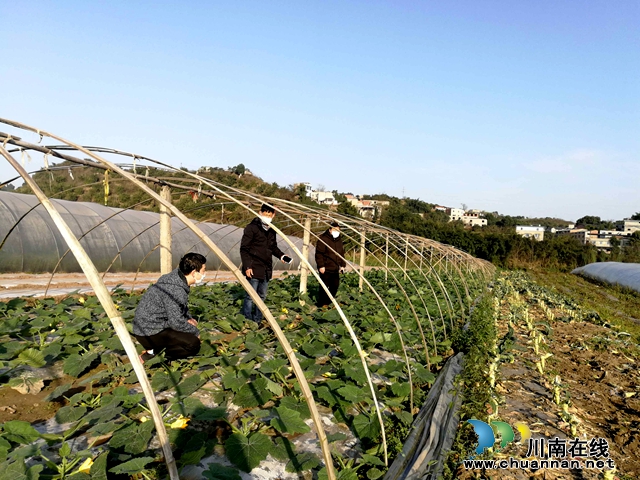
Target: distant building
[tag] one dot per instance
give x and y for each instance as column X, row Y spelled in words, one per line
column 323, row 198
column 602, row 239
column 366, row 208
column 529, row 231
column 580, row 234
column 628, row 226
column 455, row 214
column 473, row 219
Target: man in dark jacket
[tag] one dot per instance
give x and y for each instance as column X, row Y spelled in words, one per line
column 257, row 247
column 162, row 320
column 330, row 261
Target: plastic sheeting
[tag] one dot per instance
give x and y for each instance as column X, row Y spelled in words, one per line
column 616, row 273
column 433, row 429
column 128, row 238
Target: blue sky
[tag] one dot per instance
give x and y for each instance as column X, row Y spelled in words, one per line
column 524, row 107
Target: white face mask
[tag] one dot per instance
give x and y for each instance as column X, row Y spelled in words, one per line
column 265, row 220
column 335, row 233
column 201, row 281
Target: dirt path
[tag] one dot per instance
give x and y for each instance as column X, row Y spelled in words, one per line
column 14, row 285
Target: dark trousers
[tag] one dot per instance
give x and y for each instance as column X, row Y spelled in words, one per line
column 332, row 281
column 175, row 344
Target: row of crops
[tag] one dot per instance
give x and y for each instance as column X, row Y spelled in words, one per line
column 237, row 400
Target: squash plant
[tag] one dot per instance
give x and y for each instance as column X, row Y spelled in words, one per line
column 237, row 397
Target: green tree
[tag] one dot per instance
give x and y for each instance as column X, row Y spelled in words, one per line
column 347, row 208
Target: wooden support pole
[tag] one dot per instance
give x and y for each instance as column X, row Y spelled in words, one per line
column 406, row 256
column 304, row 272
column 362, row 259
column 166, row 259
column 106, row 301
column 421, row 256
column 386, row 259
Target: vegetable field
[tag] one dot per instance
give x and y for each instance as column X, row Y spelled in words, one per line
column 237, row 402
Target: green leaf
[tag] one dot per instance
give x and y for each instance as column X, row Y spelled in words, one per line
column 253, row 394
column 220, row 472
column 289, row 421
column 301, row 407
column 18, row 471
column 211, row 414
column 132, row 466
column 372, row 460
column 401, row 389
column 5, row 446
column 275, row 388
column 70, row 414
column 75, row 364
column 327, row 395
column 366, row 426
column 99, row 467
column 405, row 417
column 246, row 453
column 104, row 428
column 32, row 357
column 374, row 474
column 334, row 437
column 193, row 457
column 134, row 437
column 190, row 385
column 65, row 450
column 424, row 375
column 353, row 394
column 303, row 462
column 276, row 365
column 58, row 392
column 235, row 380
column 19, row 431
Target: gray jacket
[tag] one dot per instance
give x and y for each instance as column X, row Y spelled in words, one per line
column 164, row 305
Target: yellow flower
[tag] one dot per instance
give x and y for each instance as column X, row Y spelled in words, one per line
column 181, row 422
column 284, row 310
column 85, row 467
column 144, row 419
column 81, row 300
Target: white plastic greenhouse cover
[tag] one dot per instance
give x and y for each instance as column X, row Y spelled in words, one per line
column 36, row 245
column 616, row 273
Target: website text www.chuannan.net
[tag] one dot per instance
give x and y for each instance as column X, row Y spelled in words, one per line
column 516, row 463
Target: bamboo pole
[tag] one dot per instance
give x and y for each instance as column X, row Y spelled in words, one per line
column 166, row 264
column 304, row 271
column 106, row 301
column 406, row 256
column 362, row 259
column 386, row 258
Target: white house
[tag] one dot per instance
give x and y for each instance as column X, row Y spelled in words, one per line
column 529, row 231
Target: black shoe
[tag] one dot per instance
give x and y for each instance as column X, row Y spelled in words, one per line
column 144, row 356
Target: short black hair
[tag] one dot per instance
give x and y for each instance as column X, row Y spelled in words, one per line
column 335, row 224
column 192, row 261
column 267, row 208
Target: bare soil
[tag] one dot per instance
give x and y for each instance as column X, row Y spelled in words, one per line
column 598, row 372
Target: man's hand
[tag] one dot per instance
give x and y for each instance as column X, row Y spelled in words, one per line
column 287, row 259
column 341, row 269
column 193, row 322
column 321, row 269
column 249, row 272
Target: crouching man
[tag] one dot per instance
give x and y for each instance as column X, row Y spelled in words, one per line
column 162, row 320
